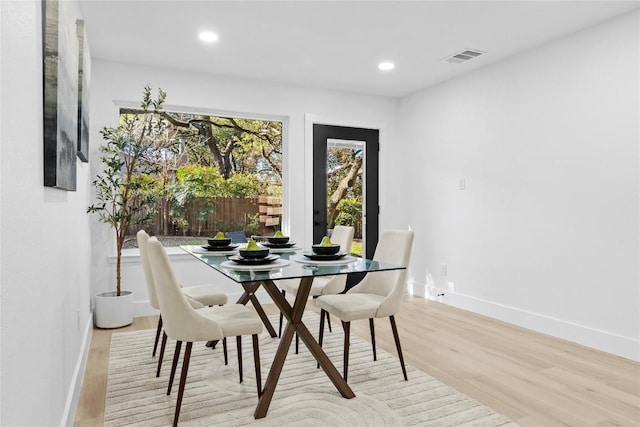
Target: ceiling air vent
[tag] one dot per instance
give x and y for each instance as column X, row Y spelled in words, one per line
column 463, row 56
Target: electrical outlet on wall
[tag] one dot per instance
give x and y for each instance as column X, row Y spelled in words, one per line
column 451, row 287
column 435, row 294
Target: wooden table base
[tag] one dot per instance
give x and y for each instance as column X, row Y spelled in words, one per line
column 294, row 315
column 249, row 295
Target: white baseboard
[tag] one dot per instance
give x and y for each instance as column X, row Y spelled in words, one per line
column 608, row 342
column 600, row 340
column 71, row 405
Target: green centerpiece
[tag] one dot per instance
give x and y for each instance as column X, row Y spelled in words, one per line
column 253, row 250
column 219, row 240
column 326, row 247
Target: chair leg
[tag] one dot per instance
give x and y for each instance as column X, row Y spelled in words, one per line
column 183, row 380
column 347, row 329
column 373, row 338
column 323, row 314
column 174, row 365
column 284, row 294
column 321, row 331
column 256, row 361
column 297, row 342
column 327, row 316
column 397, row 340
column 162, row 347
column 239, row 345
column 224, row 350
column 158, row 330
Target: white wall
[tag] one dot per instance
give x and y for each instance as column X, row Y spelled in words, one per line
column 114, row 83
column 44, row 241
column 546, row 233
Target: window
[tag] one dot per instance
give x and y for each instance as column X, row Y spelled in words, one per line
column 208, row 174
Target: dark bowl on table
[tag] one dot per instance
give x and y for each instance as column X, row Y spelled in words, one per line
column 325, row 250
column 278, row 240
column 219, row 242
column 254, row 254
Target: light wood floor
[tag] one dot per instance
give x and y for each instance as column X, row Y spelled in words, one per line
column 534, row 379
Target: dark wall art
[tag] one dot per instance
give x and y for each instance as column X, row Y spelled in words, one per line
column 84, row 77
column 60, row 85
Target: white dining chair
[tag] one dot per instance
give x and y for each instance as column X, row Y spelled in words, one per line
column 378, row 295
column 324, row 285
column 186, row 324
column 198, row 296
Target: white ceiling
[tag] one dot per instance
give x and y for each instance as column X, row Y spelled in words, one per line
column 333, row 44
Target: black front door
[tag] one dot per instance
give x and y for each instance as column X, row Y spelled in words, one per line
column 345, row 159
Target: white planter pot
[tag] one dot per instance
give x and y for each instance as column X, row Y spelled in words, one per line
column 113, row 311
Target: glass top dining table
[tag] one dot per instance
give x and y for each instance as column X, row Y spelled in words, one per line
column 288, row 264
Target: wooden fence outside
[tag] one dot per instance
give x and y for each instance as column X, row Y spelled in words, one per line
column 205, row 217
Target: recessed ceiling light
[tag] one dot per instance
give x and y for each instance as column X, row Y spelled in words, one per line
column 386, row 66
column 208, row 36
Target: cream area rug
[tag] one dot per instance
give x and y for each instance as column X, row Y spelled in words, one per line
column 304, row 395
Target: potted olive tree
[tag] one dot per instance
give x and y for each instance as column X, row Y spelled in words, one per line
column 122, row 201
